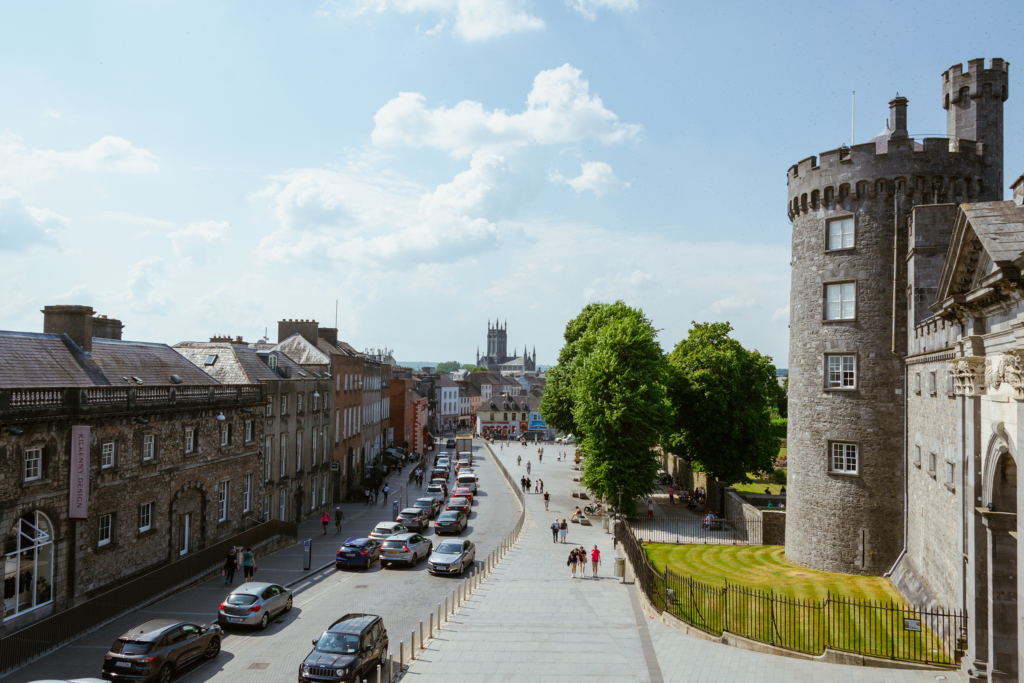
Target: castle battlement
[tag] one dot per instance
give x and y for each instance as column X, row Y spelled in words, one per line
column 977, row 82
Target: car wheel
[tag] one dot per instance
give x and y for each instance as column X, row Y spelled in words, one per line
column 264, row 621
column 288, row 605
column 213, row 649
column 164, row 676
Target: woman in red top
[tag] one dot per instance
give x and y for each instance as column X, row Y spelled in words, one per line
column 595, row 557
column 326, row 520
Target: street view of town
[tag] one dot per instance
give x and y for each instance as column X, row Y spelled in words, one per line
column 349, row 341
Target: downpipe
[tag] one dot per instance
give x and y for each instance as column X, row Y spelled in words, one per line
column 906, row 473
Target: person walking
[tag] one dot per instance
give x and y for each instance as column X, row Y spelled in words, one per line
column 387, row 490
column 248, row 564
column 527, row 466
column 581, row 552
column 522, row 483
column 671, row 496
column 536, row 487
column 554, row 531
column 541, row 481
column 547, row 499
column 563, row 529
column 595, row 559
column 230, row 565
column 529, row 483
column 650, row 508
column 326, row 520
column 339, row 517
column 573, row 559
column 540, row 456
column 519, row 460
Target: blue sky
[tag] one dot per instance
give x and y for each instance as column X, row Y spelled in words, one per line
column 205, row 168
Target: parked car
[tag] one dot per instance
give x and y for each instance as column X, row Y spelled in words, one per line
column 254, row 604
column 414, row 518
column 437, row 492
column 358, row 552
column 451, row 522
column 406, row 548
column 349, row 651
column 452, row 557
column 463, row 493
column 431, row 505
column 386, row 530
column 460, row 504
column 154, row 650
column 467, row 480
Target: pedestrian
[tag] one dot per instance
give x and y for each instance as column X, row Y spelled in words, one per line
column 326, row 520
column 366, row 492
column 541, row 485
column 230, row 565
column 522, row 483
column 595, row 559
column 519, row 460
column 581, row 552
column 376, row 494
column 248, row 564
column 527, row 466
column 554, row 531
column 529, row 483
column 387, row 490
column 573, row 558
column 650, row 508
column 339, row 517
column 540, row 456
column 563, row 529
column 547, row 499
column 671, row 496
column 536, row 487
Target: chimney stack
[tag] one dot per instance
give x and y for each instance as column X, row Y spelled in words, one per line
column 898, row 116
column 329, row 335
column 74, row 321
column 106, row 328
column 306, row 328
column 1018, row 191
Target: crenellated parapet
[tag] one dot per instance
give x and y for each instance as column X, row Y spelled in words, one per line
column 975, row 83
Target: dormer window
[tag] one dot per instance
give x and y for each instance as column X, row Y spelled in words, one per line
column 272, row 362
column 211, row 359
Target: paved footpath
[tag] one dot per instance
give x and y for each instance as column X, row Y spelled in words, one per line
column 530, row 620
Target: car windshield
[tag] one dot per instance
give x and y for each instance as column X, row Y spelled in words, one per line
column 449, row 515
column 422, row 504
column 410, row 512
column 450, row 548
column 131, row 647
column 383, row 530
column 434, row 489
column 240, row 599
column 338, row 643
column 354, row 544
column 393, row 544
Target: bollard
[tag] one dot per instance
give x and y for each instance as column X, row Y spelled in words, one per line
column 439, row 616
column 391, row 668
column 446, row 613
column 430, row 626
column 401, row 656
column 421, row 635
column 412, row 646
column 378, row 673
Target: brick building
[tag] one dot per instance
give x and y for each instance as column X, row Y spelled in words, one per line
column 169, row 456
column 402, row 408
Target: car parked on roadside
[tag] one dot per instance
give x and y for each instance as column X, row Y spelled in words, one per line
column 460, row 504
column 357, row 552
column 406, row 549
column 414, row 518
column 463, row 492
column 451, row 522
column 386, row 530
column 155, row 649
column 350, row 650
column 452, row 557
column 254, row 604
column 431, row 505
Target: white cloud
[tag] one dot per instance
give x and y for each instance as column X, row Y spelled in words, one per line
column 559, row 109
column 781, row 314
column 732, row 303
column 587, row 8
column 595, row 175
column 51, row 114
column 196, row 240
column 20, row 165
column 474, row 19
column 23, row 226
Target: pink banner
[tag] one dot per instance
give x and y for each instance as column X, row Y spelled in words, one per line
column 79, row 488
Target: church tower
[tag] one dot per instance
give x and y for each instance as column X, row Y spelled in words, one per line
column 497, row 340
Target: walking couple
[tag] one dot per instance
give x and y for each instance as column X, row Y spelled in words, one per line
column 559, row 529
column 578, row 556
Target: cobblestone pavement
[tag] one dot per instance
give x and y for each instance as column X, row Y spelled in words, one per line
column 403, row 596
column 532, row 621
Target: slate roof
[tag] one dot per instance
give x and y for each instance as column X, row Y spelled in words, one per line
column 999, row 226
column 446, row 381
column 234, row 364
column 302, row 352
column 33, row 359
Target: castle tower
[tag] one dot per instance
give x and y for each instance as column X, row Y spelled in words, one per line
column 848, row 328
column 974, row 111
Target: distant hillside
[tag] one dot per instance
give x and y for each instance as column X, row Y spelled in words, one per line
column 416, row 365
column 781, row 372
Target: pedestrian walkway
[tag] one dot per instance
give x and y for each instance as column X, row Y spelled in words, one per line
column 531, row 621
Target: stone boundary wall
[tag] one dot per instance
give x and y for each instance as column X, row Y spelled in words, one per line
column 773, row 522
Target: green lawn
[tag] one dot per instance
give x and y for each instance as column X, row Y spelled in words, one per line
column 755, row 485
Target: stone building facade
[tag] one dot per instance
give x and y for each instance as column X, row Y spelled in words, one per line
column 172, row 461
column 497, row 358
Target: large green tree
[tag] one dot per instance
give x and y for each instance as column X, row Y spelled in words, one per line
column 722, row 398
column 448, row 366
column 608, row 389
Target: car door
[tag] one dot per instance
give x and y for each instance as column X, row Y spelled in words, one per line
column 176, row 646
column 470, row 550
column 271, row 600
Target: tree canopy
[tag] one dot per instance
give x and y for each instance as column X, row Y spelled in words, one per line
column 722, row 398
column 449, row 366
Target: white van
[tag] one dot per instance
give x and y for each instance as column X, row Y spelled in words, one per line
column 468, row 480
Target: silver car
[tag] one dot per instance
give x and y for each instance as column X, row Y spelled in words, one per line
column 254, row 604
column 386, row 530
column 406, row 548
column 452, row 557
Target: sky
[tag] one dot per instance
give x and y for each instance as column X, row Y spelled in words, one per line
column 197, row 168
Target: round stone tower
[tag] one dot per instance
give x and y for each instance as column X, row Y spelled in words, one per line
column 848, row 324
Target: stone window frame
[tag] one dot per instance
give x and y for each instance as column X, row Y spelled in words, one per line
column 933, row 382
column 856, row 370
column 268, row 457
column 824, row 301
column 299, row 407
column 828, row 458
column 225, row 434
column 270, row 406
column 250, row 431
column 917, row 383
column 284, row 405
column 189, row 439
column 950, row 391
column 950, row 482
column 828, row 223
column 149, row 519
column 111, row 529
column 223, row 501
column 917, row 456
column 933, row 463
column 155, row 447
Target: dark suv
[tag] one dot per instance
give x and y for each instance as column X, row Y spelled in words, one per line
column 153, row 651
column 349, row 650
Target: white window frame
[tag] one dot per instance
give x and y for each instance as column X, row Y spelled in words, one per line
column 268, row 456
column 323, row 490
column 247, row 493
column 190, row 440
column 105, row 529
column 840, row 371
column 312, row 501
column 843, row 238
column 315, row 401
column 270, row 408
column 32, row 468
column 284, row 405
column 223, row 500
column 282, row 496
column 284, row 455
column 108, row 455
column 298, row 402
column 298, row 451
column 145, row 517
column 312, row 462
column 844, row 457
column 248, row 431
column 225, row 435
column 841, row 301
column 148, row 447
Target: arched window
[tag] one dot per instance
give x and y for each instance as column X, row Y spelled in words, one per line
column 28, row 570
column 272, row 361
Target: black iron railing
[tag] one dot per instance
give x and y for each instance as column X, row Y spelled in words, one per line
column 46, row 634
column 874, row 628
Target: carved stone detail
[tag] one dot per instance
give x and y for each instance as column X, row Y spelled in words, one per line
column 969, row 375
column 1011, row 371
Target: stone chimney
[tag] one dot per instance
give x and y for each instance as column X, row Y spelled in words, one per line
column 898, row 116
column 329, row 335
column 306, row 328
column 106, row 328
column 1018, row 191
column 74, row 321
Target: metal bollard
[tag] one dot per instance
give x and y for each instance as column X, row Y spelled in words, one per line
column 430, row 626
column 446, row 613
column 421, row 635
column 401, row 656
column 378, row 673
column 439, row 616
column 412, row 646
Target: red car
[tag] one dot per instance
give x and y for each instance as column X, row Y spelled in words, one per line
column 463, row 493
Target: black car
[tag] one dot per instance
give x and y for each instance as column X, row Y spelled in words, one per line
column 349, row 650
column 450, row 444
column 154, row 650
column 460, row 504
column 451, row 522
